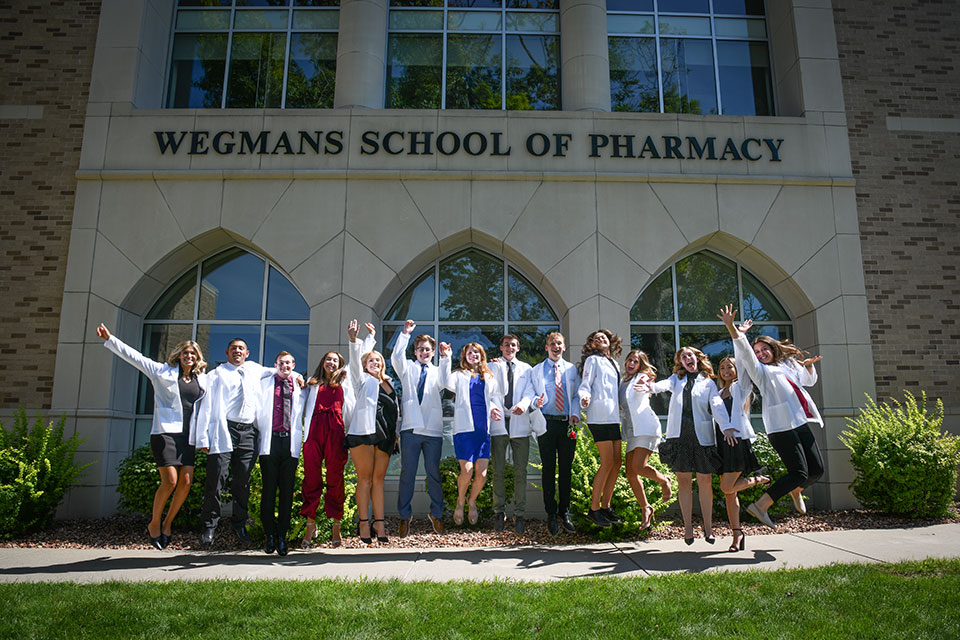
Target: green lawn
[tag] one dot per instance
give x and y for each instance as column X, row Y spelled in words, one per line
column 909, row 600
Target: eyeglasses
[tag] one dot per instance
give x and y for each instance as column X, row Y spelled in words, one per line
column 423, row 349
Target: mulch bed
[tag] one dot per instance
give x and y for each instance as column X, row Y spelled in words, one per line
column 126, row 531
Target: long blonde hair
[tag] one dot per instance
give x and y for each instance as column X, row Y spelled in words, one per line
column 645, row 366
column 383, row 369
column 703, row 363
column 174, row 358
column 482, row 367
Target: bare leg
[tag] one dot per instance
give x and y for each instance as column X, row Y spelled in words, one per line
column 729, row 483
column 632, row 470
column 609, row 464
column 363, row 462
column 380, row 463
column 463, row 482
column 168, row 482
column 184, row 480
column 705, row 492
column 479, row 479
column 645, row 470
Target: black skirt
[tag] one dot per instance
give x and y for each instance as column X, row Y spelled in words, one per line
column 172, row 450
column 685, row 454
column 738, row 458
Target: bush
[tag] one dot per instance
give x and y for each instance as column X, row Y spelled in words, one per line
column 138, row 481
column 450, row 469
column 586, row 462
column 904, row 463
column 771, row 466
column 36, row 468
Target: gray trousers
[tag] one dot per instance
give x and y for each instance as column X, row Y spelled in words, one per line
column 238, row 464
column 498, row 455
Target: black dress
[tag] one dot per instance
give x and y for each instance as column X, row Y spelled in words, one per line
column 385, row 436
column 686, row 454
column 740, row 457
column 174, row 449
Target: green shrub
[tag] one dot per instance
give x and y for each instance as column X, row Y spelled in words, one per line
column 586, row 462
column 36, row 468
column 904, row 463
column 771, row 466
column 138, row 481
column 450, row 469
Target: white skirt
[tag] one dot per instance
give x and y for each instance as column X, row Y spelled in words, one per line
column 647, row 442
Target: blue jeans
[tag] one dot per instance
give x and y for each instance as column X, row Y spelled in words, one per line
column 411, row 446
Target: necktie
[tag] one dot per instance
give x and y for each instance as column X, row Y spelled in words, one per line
column 509, row 399
column 558, row 386
column 422, row 382
column 287, row 401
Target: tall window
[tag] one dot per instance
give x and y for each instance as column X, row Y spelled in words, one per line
column 473, row 54
column 234, row 294
column 679, row 309
column 254, row 53
column 689, row 56
column 471, row 297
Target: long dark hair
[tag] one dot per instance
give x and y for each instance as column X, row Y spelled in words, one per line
column 590, row 350
column 335, row 379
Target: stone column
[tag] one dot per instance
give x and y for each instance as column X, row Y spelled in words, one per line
column 585, row 62
column 361, row 52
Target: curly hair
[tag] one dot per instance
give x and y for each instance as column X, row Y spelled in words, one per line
column 335, row 379
column 482, row 367
column 703, row 363
column 590, row 350
column 782, row 349
column 645, row 366
column 174, row 358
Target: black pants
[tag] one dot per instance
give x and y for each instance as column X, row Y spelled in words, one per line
column 556, row 447
column 238, row 463
column 801, row 456
column 279, row 471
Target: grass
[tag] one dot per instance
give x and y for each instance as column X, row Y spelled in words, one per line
column 909, row 600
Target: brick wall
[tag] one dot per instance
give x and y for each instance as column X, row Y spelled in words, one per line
column 46, row 54
column 902, row 61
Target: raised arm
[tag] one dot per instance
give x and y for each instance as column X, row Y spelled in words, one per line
column 150, row 368
column 743, row 354
column 445, row 378
column 370, row 342
column 398, row 358
column 353, row 362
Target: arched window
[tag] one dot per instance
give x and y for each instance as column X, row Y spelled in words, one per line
column 679, row 308
column 474, row 297
column 234, row 294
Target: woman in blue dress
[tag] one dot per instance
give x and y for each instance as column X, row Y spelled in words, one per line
column 479, row 399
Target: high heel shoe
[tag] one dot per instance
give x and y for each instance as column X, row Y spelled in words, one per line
column 689, row 540
column 709, row 537
column 367, row 539
column 734, row 545
column 382, row 539
column 309, row 534
column 648, row 517
column 155, row 541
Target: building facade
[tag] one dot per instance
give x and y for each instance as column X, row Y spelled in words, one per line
column 274, row 169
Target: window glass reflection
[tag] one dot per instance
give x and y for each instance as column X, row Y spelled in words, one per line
column 416, row 303
column 697, row 301
column 284, row 302
column 313, row 71
column 745, row 84
column 414, row 68
column 526, row 303
column 689, row 85
column 286, row 337
column 471, row 287
column 473, row 72
column 177, row 302
column 532, row 77
column 656, row 301
column 196, row 71
column 633, row 74
column 256, row 70
column 232, row 287
column 214, row 338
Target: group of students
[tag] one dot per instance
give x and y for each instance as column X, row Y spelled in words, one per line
column 350, row 406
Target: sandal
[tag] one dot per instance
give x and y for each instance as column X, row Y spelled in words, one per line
column 335, row 535
column 734, row 546
column 458, row 514
column 474, row 515
column 309, row 534
column 382, row 539
column 367, row 539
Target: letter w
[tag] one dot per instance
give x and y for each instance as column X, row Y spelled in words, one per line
column 165, row 140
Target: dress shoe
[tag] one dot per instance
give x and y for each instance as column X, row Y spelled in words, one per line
column 597, row 518
column 404, row 530
column 164, row 540
column 798, row 504
column 206, row 538
column 499, row 522
column 242, row 535
column 611, row 515
column 269, row 544
column 552, row 526
column 567, row 524
column 282, row 546
column 521, row 527
column 437, row 524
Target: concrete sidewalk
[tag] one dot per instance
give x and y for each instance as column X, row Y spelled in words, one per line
column 501, row 563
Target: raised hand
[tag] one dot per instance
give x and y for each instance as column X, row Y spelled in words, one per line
column 745, row 326
column 808, row 363
column 727, row 314
column 102, row 332
column 409, row 326
column 353, row 328
column 372, row 330
column 444, row 350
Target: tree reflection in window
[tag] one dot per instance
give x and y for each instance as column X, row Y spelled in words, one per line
column 679, row 308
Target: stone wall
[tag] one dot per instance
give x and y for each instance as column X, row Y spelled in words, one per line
column 46, row 54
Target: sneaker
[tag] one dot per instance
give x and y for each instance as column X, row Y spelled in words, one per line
column 597, row 518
